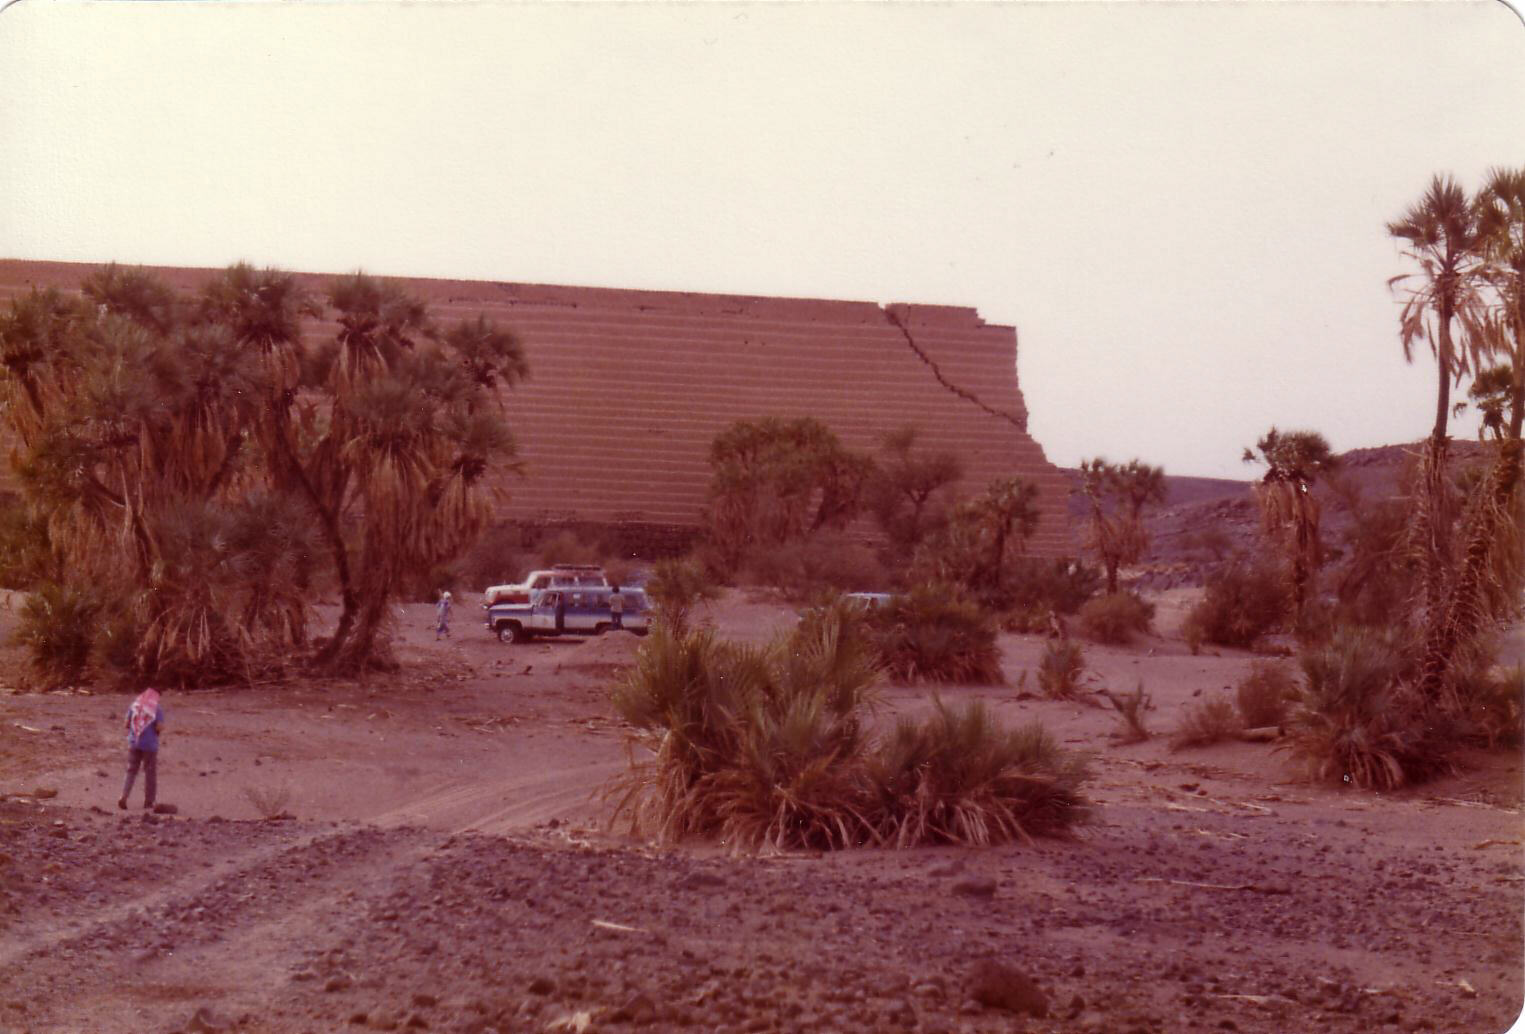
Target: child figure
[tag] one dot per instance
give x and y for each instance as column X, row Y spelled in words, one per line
column 442, row 616
column 144, row 720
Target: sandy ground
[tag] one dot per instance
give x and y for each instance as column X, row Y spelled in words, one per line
column 449, row 866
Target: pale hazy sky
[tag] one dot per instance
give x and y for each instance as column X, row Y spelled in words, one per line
column 1180, row 207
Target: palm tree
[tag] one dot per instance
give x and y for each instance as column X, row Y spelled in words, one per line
column 1007, row 511
column 1293, row 460
column 905, row 483
column 1488, row 582
column 1440, row 235
column 405, row 434
column 1117, row 494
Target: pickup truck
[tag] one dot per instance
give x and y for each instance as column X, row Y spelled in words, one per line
column 566, row 611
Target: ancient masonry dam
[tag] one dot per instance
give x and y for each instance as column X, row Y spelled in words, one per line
column 628, row 388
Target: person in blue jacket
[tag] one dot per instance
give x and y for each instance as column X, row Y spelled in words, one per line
column 145, row 718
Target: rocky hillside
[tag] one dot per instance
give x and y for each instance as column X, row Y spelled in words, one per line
column 1204, row 521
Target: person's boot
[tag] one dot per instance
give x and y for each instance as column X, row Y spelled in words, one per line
column 121, row 802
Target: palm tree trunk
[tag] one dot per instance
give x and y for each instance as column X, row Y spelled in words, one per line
column 360, row 646
column 1464, row 614
column 328, row 521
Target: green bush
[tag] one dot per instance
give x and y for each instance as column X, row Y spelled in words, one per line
column 1048, row 585
column 932, row 635
column 754, row 746
column 959, row 778
column 57, row 627
column 1116, row 618
column 1264, row 694
column 26, row 555
column 1206, row 722
column 1242, row 603
column 1358, row 720
column 1060, row 669
column 116, row 643
column 768, row 747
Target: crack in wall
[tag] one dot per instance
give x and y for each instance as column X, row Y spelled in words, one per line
column 937, row 373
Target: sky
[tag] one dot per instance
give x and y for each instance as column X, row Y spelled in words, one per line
column 1180, row 207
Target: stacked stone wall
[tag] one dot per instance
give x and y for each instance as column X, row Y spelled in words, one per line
column 628, row 388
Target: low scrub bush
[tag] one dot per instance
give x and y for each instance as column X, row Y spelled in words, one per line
column 768, row 747
column 1049, row 586
column 1130, row 708
column 1116, row 618
column 959, row 778
column 675, row 588
column 932, row 635
column 565, row 546
column 1060, row 669
column 828, row 561
column 58, row 626
column 1242, row 603
column 1496, row 704
column 1211, row 720
column 1264, row 694
column 1358, row 720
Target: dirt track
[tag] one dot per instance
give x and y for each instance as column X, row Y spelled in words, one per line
column 449, row 868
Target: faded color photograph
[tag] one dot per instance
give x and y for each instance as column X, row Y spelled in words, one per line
column 731, row 517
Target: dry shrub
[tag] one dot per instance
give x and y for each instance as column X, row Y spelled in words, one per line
column 565, row 546
column 959, row 778
column 1060, row 670
column 1208, row 721
column 1130, row 708
column 932, row 635
column 675, row 588
column 269, row 801
column 828, row 561
column 1359, row 720
column 1496, row 703
column 1241, row 604
column 766, row 747
column 1265, row 693
column 1116, row 618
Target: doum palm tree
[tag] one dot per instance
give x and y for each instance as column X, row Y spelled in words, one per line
column 1440, row 235
column 1486, row 589
column 1293, row 460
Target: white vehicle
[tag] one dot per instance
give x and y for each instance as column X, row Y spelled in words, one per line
column 571, row 611
column 559, row 576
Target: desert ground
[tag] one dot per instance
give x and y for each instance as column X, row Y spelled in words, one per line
column 441, row 858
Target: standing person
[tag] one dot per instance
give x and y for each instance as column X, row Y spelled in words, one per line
column 145, row 718
column 616, row 609
column 442, row 616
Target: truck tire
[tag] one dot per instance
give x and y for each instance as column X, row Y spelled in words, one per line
column 512, row 632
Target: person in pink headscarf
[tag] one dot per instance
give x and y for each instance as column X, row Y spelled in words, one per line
column 145, row 718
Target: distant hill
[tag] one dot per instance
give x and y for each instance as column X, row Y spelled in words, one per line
column 1205, row 520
